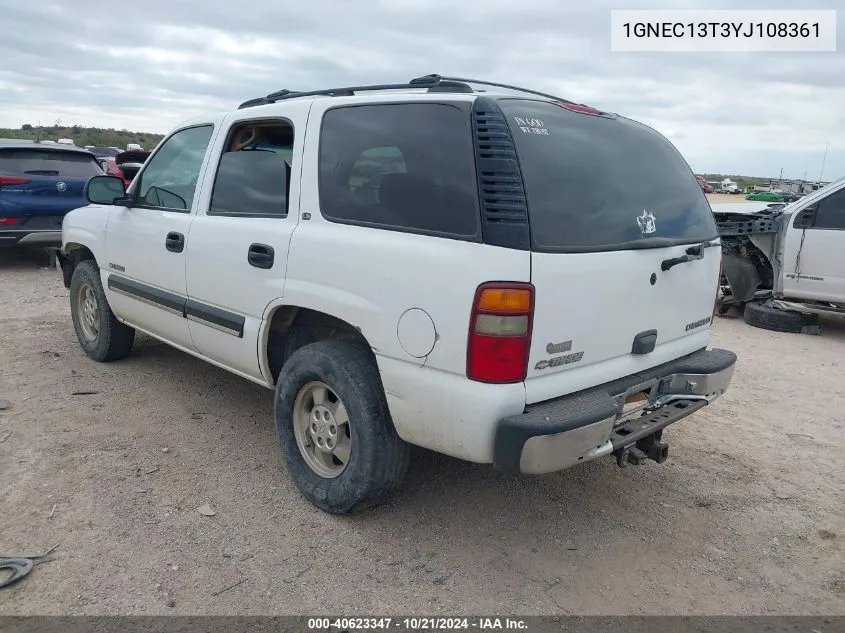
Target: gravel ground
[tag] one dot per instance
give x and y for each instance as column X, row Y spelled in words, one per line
column 113, row 460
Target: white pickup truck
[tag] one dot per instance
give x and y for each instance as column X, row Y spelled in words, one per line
column 785, row 264
column 503, row 276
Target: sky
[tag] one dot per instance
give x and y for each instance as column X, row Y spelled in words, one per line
column 146, row 65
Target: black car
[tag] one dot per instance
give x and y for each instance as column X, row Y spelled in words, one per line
column 791, row 197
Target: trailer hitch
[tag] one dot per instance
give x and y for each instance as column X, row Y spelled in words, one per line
column 649, row 447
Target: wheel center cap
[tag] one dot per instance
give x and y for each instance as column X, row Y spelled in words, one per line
column 323, row 428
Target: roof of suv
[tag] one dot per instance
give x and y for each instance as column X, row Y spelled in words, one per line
column 426, row 88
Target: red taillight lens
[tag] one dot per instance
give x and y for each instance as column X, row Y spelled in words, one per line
column 500, row 332
column 8, row 220
column 12, row 180
column 581, row 108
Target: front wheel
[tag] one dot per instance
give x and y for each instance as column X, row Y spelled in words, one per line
column 100, row 334
column 334, row 428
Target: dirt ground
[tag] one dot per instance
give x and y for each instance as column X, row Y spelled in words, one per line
column 111, row 461
column 725, row 198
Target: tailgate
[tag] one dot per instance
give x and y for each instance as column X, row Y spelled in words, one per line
column 625, row 254
column 590, row 308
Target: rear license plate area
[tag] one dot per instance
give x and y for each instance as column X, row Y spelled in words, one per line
column 632, row 404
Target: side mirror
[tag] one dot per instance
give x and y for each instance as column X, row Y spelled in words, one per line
column 104, row 189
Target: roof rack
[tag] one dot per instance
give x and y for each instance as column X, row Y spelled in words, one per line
column 481, row 82
column 434, row 83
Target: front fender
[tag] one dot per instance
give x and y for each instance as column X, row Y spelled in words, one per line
column 85, row 228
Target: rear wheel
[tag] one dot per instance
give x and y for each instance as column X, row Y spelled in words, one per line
column 334, row 428
column 100, row 334
column 765, row 316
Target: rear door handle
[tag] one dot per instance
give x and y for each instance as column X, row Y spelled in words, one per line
column 175, row 242
column 260, row 256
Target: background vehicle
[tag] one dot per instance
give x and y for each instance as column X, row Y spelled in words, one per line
column 102, row 154
column 785, row 262
column 125, row 165
column 728, row 186
column 367, row 253
column 39, row 184
column 790, row 196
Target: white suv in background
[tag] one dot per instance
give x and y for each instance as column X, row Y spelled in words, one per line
column 502, row 275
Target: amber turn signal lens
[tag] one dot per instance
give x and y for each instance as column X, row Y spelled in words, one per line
column 505, row 300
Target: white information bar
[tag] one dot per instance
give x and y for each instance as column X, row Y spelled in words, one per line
column 723, row 31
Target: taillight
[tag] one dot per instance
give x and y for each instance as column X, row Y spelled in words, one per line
column 12, row 180
column 8, row 220
column 500, row 332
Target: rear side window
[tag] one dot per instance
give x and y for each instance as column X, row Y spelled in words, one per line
column 404, row 166
column 603, row 183
column 48, row 163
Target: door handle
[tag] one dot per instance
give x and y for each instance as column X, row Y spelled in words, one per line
column 175, row 242
column 260, row 256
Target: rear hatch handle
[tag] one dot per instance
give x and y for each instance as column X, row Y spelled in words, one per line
column 693, row 253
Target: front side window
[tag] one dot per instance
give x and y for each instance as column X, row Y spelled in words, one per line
column 406, row 166
column 169, row 180
column 831, row 212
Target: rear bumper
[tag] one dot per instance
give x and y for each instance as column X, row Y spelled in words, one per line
column 20, row 237
column 557, row 434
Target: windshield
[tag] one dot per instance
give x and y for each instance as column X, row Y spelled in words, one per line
column 603, row 183
column 39, row 162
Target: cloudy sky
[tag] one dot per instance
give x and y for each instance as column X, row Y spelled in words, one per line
column 145, row 65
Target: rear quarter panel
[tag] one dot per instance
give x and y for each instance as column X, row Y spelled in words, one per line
column 370, row 278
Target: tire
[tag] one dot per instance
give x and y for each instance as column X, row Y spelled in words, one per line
column 376, row 458
column 766, row 317
column 100, row 334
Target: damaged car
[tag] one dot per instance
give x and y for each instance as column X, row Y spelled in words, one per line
column 125, row 165
column 782, row 263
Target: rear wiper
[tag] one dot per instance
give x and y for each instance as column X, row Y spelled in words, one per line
column 42, row 172
column 693, row 253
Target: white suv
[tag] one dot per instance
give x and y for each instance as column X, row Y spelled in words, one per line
column 499, row 275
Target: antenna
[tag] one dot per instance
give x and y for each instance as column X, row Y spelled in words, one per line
column 824, row 158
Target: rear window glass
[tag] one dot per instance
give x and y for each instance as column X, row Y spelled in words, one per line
column 48, row 163
column 601, row 183
column 405, row 166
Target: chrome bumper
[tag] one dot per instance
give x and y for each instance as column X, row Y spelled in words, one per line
column 556, row 435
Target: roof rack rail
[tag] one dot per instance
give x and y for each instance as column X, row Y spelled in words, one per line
column 480, row 82
column 434, row 83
